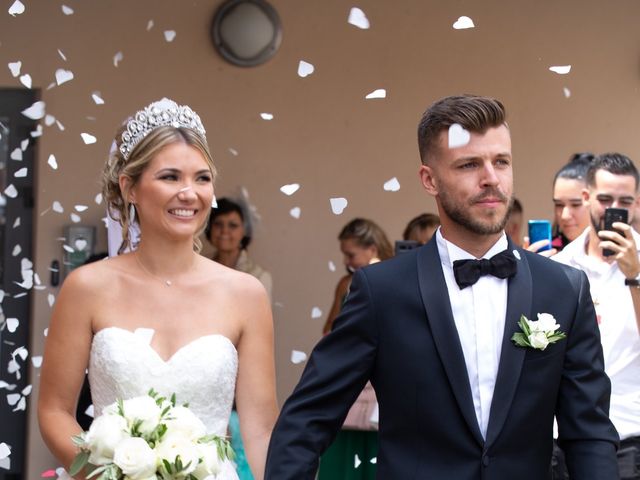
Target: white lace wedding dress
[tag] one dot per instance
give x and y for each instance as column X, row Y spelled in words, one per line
column 201, row 373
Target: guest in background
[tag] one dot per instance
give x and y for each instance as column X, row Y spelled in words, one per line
column 229, row 231
column 571, row 214
column 515, row 219
column 362, row 242
column 421, row 228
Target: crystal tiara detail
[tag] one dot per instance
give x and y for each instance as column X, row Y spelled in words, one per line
column 162, row 113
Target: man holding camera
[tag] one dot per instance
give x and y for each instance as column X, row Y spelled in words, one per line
column 608, row 254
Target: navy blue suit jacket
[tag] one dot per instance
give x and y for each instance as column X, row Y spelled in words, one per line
column 397, row 330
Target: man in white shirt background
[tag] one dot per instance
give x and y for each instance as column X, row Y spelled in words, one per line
column 612, row 181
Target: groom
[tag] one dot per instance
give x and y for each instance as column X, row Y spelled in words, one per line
column 432, row 329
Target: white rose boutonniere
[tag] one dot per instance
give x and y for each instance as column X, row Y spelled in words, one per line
column 538, row 334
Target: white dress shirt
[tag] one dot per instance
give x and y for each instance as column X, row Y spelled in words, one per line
column 618, row 331
column 479, row 313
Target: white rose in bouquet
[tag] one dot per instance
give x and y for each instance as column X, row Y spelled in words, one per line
column 136, row 459
column 104, row 434
column 144, row 410
column 210, row 464
column 173, row 445
column 183, row 421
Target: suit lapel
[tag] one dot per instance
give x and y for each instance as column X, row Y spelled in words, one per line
column 519, row 302
column 435, row 297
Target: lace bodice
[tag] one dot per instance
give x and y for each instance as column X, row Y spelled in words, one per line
column 201, row 373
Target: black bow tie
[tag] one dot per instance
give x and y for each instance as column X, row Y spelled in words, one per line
column 501, row 265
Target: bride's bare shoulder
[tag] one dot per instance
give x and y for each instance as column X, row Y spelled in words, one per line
column 235, row 282
column 97, row 275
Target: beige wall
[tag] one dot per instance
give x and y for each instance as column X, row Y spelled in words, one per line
column 324, row 136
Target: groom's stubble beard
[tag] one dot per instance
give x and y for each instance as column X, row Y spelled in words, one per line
column 460, row 213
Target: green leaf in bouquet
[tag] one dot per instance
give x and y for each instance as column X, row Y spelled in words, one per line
column 120, row 407
column 79, row 440
column 79, row 463
column 167, row 466
column 173, row 399
column 520, row 339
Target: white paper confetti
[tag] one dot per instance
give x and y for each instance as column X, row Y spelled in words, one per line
column 35, row 111
column 62, row 55
column 16, row 224
column 356, row 461
column 80, row 208
column 22, row 405
column 57, row 207
column 290, row 188
column 67, row 10
column 5, row 451
column 332, row 266
column 49, row 120
column 22, row 173
column 295, row 212
column 98, row 199
column 15, row 67
column 53, row 163
column 89, row 412
column 338, row 205
column 87, row 138
column 25, row 80
column 75, row 218
column 458, row 136
column 13, row 398
column 67, row 248
column 117, row 58
column 391, row 185
column 374, row 460
column 316, row 312
column 561, row 69
column 150, row 25
column 37, row 361
column 81, row 244
column 297, row 356
column 305, row 69
column 2, row 294
column 357, row 18
column 16, row 155
column 12, row 324
column 233, row 151
column 266, row 116
column 379, row 93
column 463, row 23
column 11, row 191
column 24, row 144
column 51, row 299
column 169, row 35
column 37, row 132
column 16, row 250
column 567, row 92
column 97, row 98
column 63, row 76
column 16, row 8
column 60, row 126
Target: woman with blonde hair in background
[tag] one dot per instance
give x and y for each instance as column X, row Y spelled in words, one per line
column 162, row 316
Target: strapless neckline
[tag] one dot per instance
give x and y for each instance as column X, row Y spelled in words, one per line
column 175, row 354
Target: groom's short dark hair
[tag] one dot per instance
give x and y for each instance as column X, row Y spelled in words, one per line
column 474, row 113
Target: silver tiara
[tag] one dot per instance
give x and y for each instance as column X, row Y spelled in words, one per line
column 162, row 113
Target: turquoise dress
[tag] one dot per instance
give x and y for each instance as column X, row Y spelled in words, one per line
column 242, row 466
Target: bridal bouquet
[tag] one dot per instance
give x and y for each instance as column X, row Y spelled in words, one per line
column 149, row 438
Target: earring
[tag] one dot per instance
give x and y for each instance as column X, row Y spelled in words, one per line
column 132, row 212
column 214, row 202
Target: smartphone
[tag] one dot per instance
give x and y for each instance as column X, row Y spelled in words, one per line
column 540, row 230
column 612, row 215
column 403, row 246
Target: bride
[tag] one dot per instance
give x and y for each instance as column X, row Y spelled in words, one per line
column 162, row 317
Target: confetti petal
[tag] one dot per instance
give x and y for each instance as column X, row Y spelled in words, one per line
column 332, row 266
column 80, row 208
column 67, row 10
column 16, row 224
column 57, row 207
column 16, row 251
column 379, row 93
column 53, row 163
column 62, row 56
column 24, row 144
column 266, row 116
column 23, row 172
column 49, row 120
column 11, row 191
column 75, row 218
column 15, row 68
column 16, row 155
column 117, row 58
column 5, row 451
column 356, row 461
column 357, row 18
column 80, row 244
column 89, row 412
column 87, row 138
column 305, row 69
column 169, row 35
column 233, row 151
column 458, row 136
column 13, row 398
column 67, row 248
column 60, row 126
column 12, row 324
column 316, row 312
column 290, row 188
column 567, row 92
column 297, row 356
column 36, row 361
column 35, row 111
column 63, row 76
column 97, row 97
column 392, row 185
column 98, row 199
column 26, row 80
column 295, row 212
column 463, row 23
column 150, row 25
column 16, row 8
column 338, row 205
column 37, row 132
column 51, row 299
column 561, row 69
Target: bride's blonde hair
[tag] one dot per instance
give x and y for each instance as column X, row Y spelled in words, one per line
column 139, row 158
